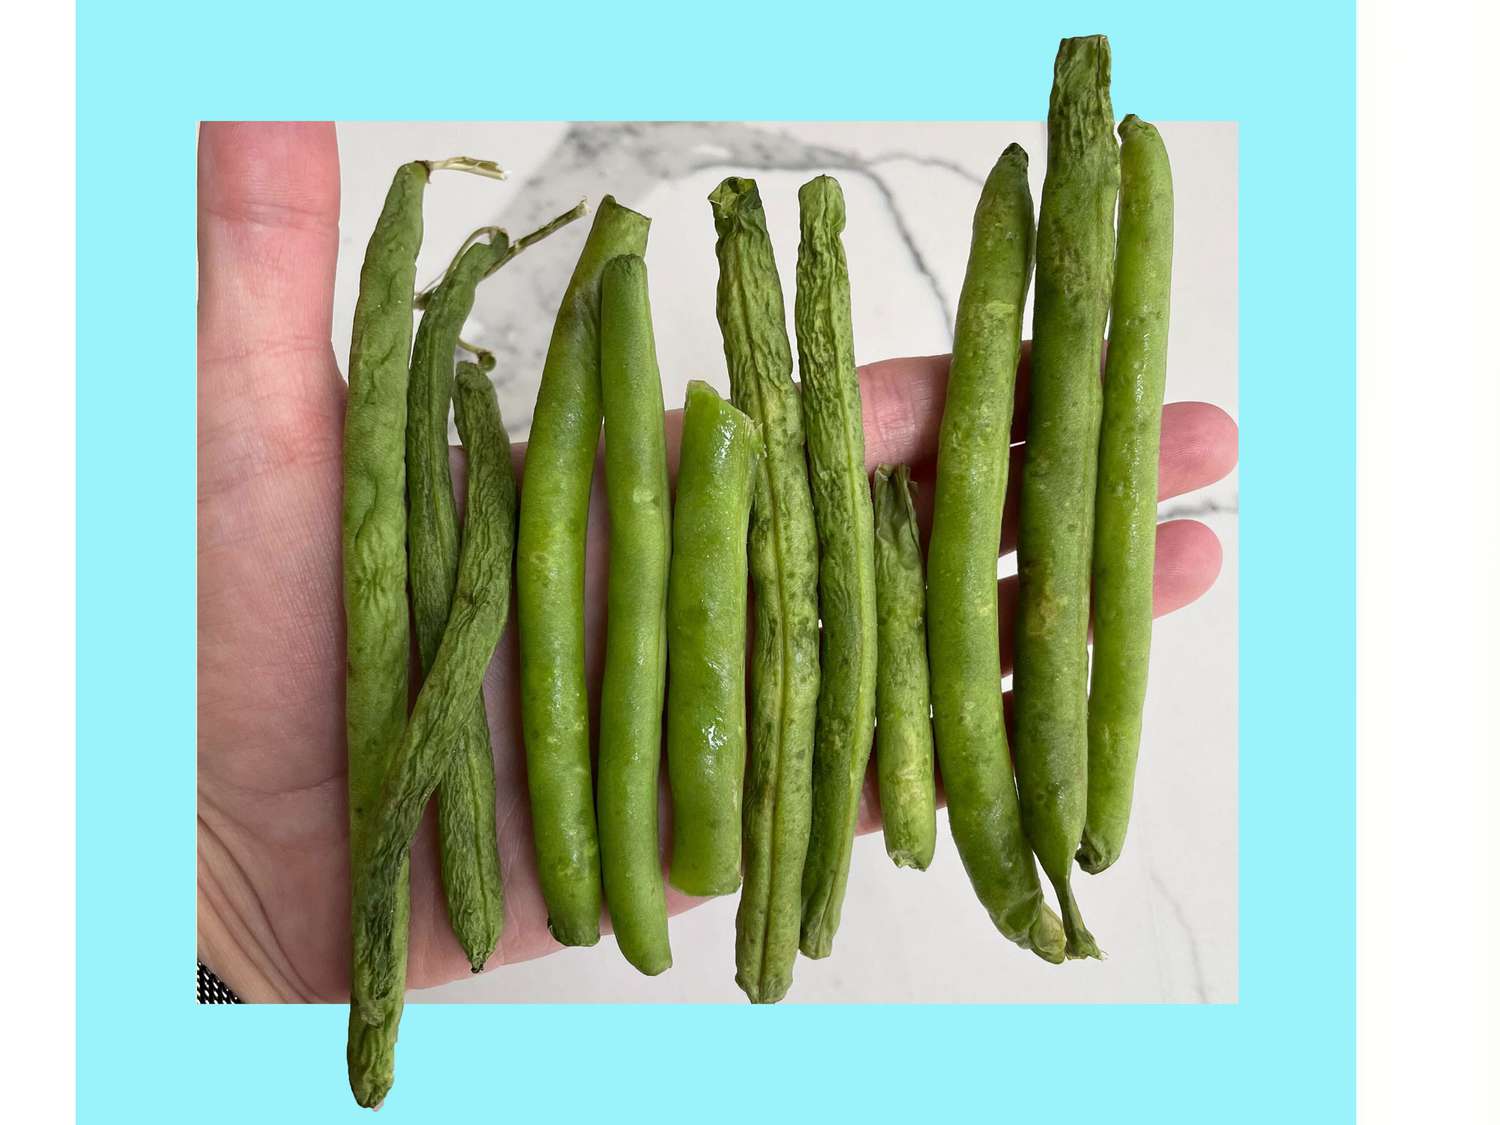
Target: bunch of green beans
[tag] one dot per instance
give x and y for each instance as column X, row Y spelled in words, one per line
column 549, row 587
column 1075, row 260
column 784, row 570
column 963, row 617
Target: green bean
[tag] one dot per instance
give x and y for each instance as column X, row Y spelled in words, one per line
column 635, row 654
column 963, row 625
column 445, row 705
column 903, row 721
column 374, row 554
column 1075, row 256
column 466, row 799
column 1135, row 374
column 784, row 569
column 846, row 541
column 706, row 624
column 549, row 588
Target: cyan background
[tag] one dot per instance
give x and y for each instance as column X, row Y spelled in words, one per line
column 148, row 72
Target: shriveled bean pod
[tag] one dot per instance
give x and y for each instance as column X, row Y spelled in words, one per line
column 846, row 559
column 784, row 570
column 1075, row 259
column 445, row 705
column 903, row 721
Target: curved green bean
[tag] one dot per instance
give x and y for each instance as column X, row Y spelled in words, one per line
column 635, row 653
column 466, row 797
column 549, row 588
column 963, row 623
column 1075, row 257
column 846, row 566
column 374, row 559
column 706, row 634
column 784, row 569
column 445, row 705
column 903, row 721
column 1135, row 375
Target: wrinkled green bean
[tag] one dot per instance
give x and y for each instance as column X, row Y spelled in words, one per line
column 846, row 566
column 903, row 722
column 963, row 629
column 549, row 588
column 445, row 705
column 784, row 569
column 1075, row 257
column 1135, row 375
column 706, row 638
column 374, row 552
column 635, row 654
column 466, row 797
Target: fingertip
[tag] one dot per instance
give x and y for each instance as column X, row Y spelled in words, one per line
column 1189, row 558
column 1200, row 444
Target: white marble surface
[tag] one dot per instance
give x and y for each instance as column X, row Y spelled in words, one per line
column 1167, row 913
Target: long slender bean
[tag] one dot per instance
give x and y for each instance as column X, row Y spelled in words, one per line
column 784, row 569
column 549, row 588
column 635, row 654
column 963, row 625
column 903, row 721
column 445, row 705
column 374, row 558
column 846, row 566
column 706, row 637
column 467, row 839
column 1075, row 257
column 1135, row 375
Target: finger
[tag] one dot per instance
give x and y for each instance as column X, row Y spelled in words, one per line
column 268, row 208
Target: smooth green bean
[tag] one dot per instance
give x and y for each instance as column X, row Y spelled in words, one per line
column 903, row 720
column 784, row 569
column 1075, row 257
column 445, row 705
column 1135, row 375
column 846, row 566
column 963, row 624
column 549, row 588
column 635, row 653
column 706, row 639
column 467, row 840
column 374, row 558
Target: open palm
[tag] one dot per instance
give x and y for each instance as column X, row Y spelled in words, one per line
column 273, row 888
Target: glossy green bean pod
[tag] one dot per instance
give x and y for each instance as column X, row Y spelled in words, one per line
column 549, row 588
column 706, row 641
column 466, row 797
column 1135, row 376
column 963, row 623
column 433, row 737
column 903, row 720
column 784, row 569
column 374, row 560
column 635, row 653
column 1075, row 259
column 846, row 560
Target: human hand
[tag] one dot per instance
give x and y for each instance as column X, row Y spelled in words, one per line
column 273, row 885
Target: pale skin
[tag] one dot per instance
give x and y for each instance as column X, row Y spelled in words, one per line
column 273, row 891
